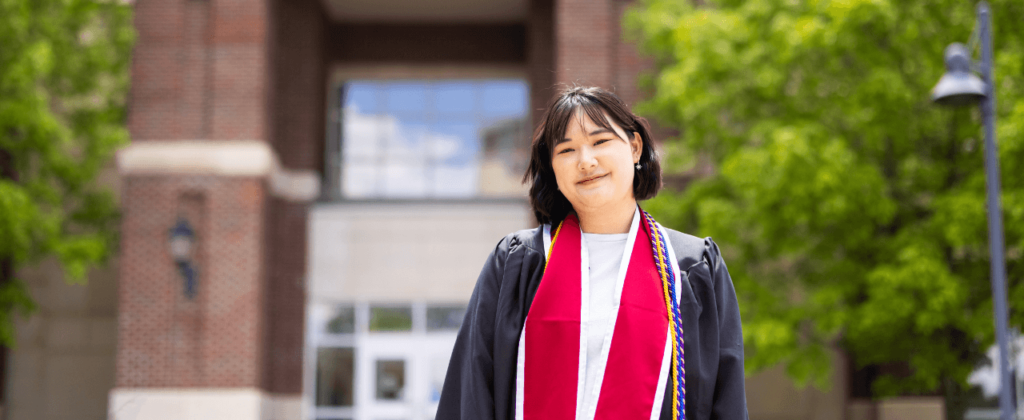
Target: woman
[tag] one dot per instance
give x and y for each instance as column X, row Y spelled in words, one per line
column 597, row 313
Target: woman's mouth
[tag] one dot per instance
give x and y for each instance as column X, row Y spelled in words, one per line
column 591, row 179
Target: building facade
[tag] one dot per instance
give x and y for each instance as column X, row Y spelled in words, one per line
column 343, row 167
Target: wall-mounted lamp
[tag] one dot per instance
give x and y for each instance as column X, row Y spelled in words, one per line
column 182, row 243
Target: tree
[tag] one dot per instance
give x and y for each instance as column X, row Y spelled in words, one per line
column 63, row 80
column 850, row 209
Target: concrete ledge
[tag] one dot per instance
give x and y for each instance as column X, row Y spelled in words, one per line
column 912, row 408
column 861, row 409
column 201, row 404
column 229, row 158
column 252, row 158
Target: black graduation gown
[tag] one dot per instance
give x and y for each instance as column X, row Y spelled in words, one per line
column 481, row 379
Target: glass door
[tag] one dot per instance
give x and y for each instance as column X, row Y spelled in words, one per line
column 380, row 361
column 386, row 386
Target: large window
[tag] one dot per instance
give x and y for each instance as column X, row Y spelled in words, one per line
column 433, row 139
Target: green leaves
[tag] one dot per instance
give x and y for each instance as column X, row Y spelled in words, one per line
column 63, row 81
column 14, row 298
column 850, row 208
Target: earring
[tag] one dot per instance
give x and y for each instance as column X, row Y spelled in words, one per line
column 638, row 166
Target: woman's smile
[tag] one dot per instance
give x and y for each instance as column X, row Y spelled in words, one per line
column 590, row 180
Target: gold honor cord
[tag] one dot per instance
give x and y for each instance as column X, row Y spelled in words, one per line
column 551, row 247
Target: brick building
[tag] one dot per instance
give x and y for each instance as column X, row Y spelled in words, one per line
column 310, row 144
column 345, row 167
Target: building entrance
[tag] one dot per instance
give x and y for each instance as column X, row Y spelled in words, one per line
column 380, row 361
column 400, row 377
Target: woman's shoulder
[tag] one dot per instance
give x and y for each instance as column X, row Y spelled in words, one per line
column 528, row 239
column 691, row 250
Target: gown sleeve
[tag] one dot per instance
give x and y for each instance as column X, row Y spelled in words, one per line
column 468, row 391
column 729, row 402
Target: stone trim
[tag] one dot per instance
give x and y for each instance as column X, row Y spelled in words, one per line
column 251, row 158
column 201, row 404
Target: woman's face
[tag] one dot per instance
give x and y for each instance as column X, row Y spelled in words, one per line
column 594, row 167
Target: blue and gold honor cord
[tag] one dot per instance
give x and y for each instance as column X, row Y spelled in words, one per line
column 661, row 260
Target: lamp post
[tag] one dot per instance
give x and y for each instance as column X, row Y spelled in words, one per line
column 959, row 87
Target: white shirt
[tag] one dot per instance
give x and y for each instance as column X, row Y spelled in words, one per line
column 605, row 254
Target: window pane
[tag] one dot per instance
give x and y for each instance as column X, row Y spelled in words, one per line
column 363, row 96
column 455, row 180
column 390, row 380
column 454, row 141
column 504, row 99
column 438, row 370
column 334, row 367
column 408, row 98
column 423, row 139
column 455, row 98
column 390, row 318
column 343, row 321
column 445, row 318
column 409, row 140
column 405, row 178
column 360, row 180
column 504, row 158
column 366, row 134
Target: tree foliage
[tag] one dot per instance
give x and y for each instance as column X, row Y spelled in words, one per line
column 850, row 209
column 63, row 80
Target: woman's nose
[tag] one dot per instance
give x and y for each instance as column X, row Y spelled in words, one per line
column 587, row 158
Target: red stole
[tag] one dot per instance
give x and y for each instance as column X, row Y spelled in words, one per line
column 554, row 362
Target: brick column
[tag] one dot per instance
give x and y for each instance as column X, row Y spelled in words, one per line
column 540, row 49
column 298, row 93
column 591, row 47
column 200, row 151
column 212, row 339
column 628, row 63
column 585, row 32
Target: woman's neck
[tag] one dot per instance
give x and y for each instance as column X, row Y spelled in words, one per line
column 608, row 219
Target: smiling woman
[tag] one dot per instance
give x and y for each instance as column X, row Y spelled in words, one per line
column 595, row 313
column 593, row 162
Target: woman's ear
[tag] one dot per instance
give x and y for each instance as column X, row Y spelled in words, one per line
column 636, row 144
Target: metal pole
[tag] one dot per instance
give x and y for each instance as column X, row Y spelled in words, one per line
column 995, row 215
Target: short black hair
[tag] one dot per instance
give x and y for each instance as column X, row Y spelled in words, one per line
column 549, row 204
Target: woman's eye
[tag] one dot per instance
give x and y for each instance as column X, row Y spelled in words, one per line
column 565, row 150
column 601, row 141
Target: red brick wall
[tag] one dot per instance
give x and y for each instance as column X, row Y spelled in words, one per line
column 449, row 44
column 628, row 63
column 298, row 82
column 592, row 48
column 540, row 53
column 239, row 49
column 196, row 71
column 199, row 70
column 165, row 340
column 199, row 73
column 585, row 33
column 157, row 76
column 286, row 247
